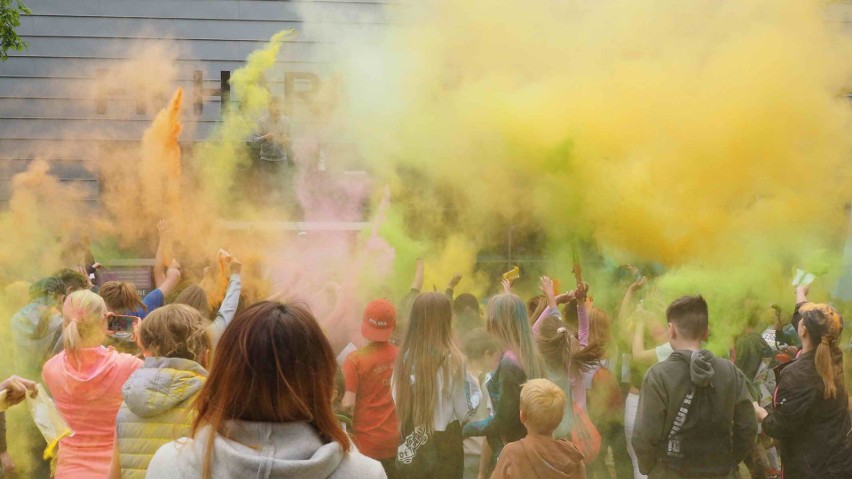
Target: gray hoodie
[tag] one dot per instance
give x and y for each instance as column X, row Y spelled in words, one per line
column 261, row 450
column 666, row 385
column 37, row 329
column 157, row 408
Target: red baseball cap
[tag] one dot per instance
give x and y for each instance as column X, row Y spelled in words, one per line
column 379, row 320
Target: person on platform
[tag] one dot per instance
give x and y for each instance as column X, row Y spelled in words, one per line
column 272, row 137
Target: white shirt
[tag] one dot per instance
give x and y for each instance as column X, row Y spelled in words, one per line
column 457, row 405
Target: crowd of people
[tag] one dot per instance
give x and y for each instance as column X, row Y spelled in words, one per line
column 204, row 385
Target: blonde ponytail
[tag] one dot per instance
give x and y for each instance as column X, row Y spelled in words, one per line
column 71, row 339
column 825, row 325
column 84, row 314
column 824, row 363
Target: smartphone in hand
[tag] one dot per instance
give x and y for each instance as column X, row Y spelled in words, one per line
column 120, row 323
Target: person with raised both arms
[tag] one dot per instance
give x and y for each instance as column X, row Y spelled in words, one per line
column 695, row 416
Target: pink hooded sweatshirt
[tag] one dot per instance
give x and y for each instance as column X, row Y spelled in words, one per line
column 88, row 395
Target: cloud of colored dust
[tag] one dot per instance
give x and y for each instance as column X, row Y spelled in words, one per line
column 710, row 137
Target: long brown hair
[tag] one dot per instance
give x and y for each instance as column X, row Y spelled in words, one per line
column 428, row 347
column 599, row 330
column 561, row 349
column 272, row 364
column 535, row 306
column 824, row 326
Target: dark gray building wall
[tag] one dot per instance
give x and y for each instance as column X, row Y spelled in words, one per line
column 48, row 104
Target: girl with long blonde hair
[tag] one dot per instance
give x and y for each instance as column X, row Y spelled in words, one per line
column 433, row 393
column 85, row 380
column 506, row 320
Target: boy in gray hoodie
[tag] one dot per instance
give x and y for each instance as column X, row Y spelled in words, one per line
column 695, row 417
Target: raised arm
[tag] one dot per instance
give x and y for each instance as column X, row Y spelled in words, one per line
column 228, row 308
column 641, row 354
column 627, row 302
column 159, row 258
column 404, row 305
column 417, row 283
column 802, row 294
column 507, row 285
column 582, row 314
column 552, row 309
column 451, row 287
column 172, row 278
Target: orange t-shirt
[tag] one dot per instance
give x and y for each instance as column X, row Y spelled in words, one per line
column 367, row 372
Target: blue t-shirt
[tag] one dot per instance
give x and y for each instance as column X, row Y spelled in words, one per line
column 152, row 301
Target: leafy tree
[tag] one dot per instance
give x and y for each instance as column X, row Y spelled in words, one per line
column 10, row 19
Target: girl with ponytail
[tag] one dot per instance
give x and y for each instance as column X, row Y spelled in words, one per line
column 809, row 417
column 85, row 380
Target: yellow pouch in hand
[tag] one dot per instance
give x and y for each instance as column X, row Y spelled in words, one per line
column 49, row 420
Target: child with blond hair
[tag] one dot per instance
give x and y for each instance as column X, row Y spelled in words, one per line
column 85, row 380
column 539, row 455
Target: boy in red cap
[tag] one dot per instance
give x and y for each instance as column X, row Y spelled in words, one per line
column 367, row 374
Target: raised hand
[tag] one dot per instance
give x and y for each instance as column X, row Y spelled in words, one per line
column 162, row 226
column 546, row 286
column 507, row 286
column 582, row 291
column 639, row 283
column 236, row 267
column 565, row 298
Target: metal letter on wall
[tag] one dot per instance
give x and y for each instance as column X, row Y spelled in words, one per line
column 290, row 92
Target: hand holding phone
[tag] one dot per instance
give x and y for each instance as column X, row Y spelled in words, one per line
column 121, row 323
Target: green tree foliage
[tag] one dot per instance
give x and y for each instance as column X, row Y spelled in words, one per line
column 10, row 19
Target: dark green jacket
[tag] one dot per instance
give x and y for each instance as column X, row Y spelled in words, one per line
column 666, row 385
